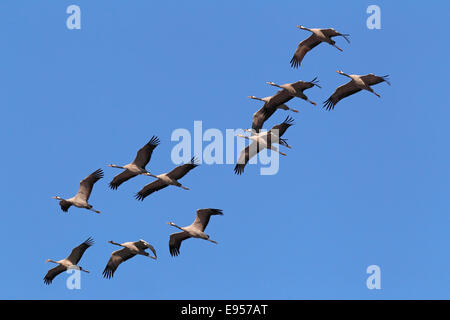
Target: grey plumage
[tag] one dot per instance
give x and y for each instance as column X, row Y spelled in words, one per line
column 130, row 249
column 195, row 230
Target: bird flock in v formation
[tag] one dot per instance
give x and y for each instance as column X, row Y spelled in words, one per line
column 260, row 140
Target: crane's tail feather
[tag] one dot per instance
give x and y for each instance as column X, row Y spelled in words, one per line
column 315, row 82
column 346, row 36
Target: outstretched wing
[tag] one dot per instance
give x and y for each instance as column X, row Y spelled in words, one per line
column 300, row 86
column 180, row 171
column 304, row 46
column 78, row 252
column 150, row 188
column 203, row 216
column 117, row 257
column 52, row 273
column 121, row 178
column 282, row 127
column 333, row 33
column 246, row 154
column 87, row 184
column 145, row 153
column 65, row 205
column 282, row 96
column 371, row 79
column 175, row 242
column 341, row 92
column 269, row 108
column 142, row 244
column 260, row 116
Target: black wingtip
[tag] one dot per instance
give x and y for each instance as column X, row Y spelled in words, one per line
column 294, row 63
column 174, row 251
column 328, row 104
column 139, row 196
column 89, row 241
column 154, row 141
column 194, row 161
column 217, row 211
column 99, row 173
column 108, row 273
column 239, row 169
column 289, row 120
column 113, row 186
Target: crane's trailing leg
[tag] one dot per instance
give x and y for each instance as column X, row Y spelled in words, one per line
column 276, row 150
column 312, row 102
column 371, row 90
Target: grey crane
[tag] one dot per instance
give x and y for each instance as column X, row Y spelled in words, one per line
column 130, row 249
column 318, row 36
column 356, row 84
column 271, row 104
column 261, row 141
column 296, row 89
column 137, row 167
column 167, row 179
column 195, row 230
column 71, row 262
column 80, row 200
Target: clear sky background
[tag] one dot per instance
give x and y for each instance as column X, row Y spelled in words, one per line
column 367, row 183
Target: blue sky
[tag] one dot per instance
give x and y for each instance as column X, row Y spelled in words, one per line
column 365, row 184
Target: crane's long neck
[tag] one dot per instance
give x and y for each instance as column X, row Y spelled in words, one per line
column 304, row 28
column 150, row 175
column 174, row 225
column 115, row 243
column 115, row 166
column 274, row 84
column 242, row 136
column 53, row 261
